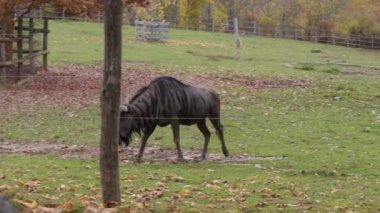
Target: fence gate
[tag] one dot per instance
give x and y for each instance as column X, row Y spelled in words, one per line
column 147, row 30
column 20, row 47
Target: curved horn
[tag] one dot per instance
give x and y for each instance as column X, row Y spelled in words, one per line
column 123, row 108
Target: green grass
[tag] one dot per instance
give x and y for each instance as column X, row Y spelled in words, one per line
column 328, row 133
column 276, row 184
column 82, row 43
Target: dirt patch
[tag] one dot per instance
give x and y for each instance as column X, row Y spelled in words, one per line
column 14, row 74
column 67, row 86
column 74, row 86
column 365, row 73
column 153, row 153
column 252, row 82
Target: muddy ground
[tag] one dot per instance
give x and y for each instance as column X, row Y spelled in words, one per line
column 153, row 153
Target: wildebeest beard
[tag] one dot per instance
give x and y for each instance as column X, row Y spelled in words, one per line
column 128, row 130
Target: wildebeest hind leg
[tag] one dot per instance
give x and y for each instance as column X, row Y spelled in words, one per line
column 175, row 129
column 206, row 133
column 219, row 131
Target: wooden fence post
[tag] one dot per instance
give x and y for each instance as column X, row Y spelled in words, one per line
column 19, row 46
column 333, row 38
column 99, row 20
column 254, row 24
column 213, row 25
column 237, row 39
column 3, row 55
column 41, row 12
column 31, row 38
column 45, row 43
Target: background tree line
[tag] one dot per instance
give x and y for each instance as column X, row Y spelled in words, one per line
column 356, row 17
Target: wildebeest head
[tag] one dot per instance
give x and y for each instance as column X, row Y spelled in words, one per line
column 128, row 125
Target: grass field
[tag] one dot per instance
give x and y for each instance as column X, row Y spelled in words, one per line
column 325, row 135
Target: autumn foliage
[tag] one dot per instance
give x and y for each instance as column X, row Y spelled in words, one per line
column 311, row 16
column 7, row 8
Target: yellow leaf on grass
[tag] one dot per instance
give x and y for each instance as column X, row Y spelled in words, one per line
column 184, row 193
column 32, row 205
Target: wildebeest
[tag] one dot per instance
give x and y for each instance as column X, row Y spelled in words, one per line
column 6, row 205
column 165, row 101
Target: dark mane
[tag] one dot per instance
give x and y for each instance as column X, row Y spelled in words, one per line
column 159, row 85
column 138, row 93
column 169, row 79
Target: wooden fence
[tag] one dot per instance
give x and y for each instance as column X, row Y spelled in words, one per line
column 25, row 33
column 246, row 29
column 287, row 32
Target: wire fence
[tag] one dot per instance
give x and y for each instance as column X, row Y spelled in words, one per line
column 285, row 32
column 251, row 29
column 146, row 118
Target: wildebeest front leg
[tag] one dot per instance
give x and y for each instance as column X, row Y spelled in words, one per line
column 175, row 129
column 147, row 133
column 206, row 133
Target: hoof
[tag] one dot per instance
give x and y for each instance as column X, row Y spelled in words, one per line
column 137, row 160
column 198, row 159
column 181, row 160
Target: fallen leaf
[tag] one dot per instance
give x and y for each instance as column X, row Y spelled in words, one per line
column 184, row 193
column 261, row 204
column 211, row 206
column 42, row 209
column 68, row 206
column 110, row 204
column 4, row 187
column 125, row 209
column 178, row 179
column 91, row 209
column 32, row 205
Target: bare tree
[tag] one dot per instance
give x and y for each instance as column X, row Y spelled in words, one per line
column 110, row 103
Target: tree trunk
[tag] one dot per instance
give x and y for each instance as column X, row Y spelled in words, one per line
column 177, row 14
column 210, row 18
column 6, row 17
column 110, row 104
column 231, row 14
